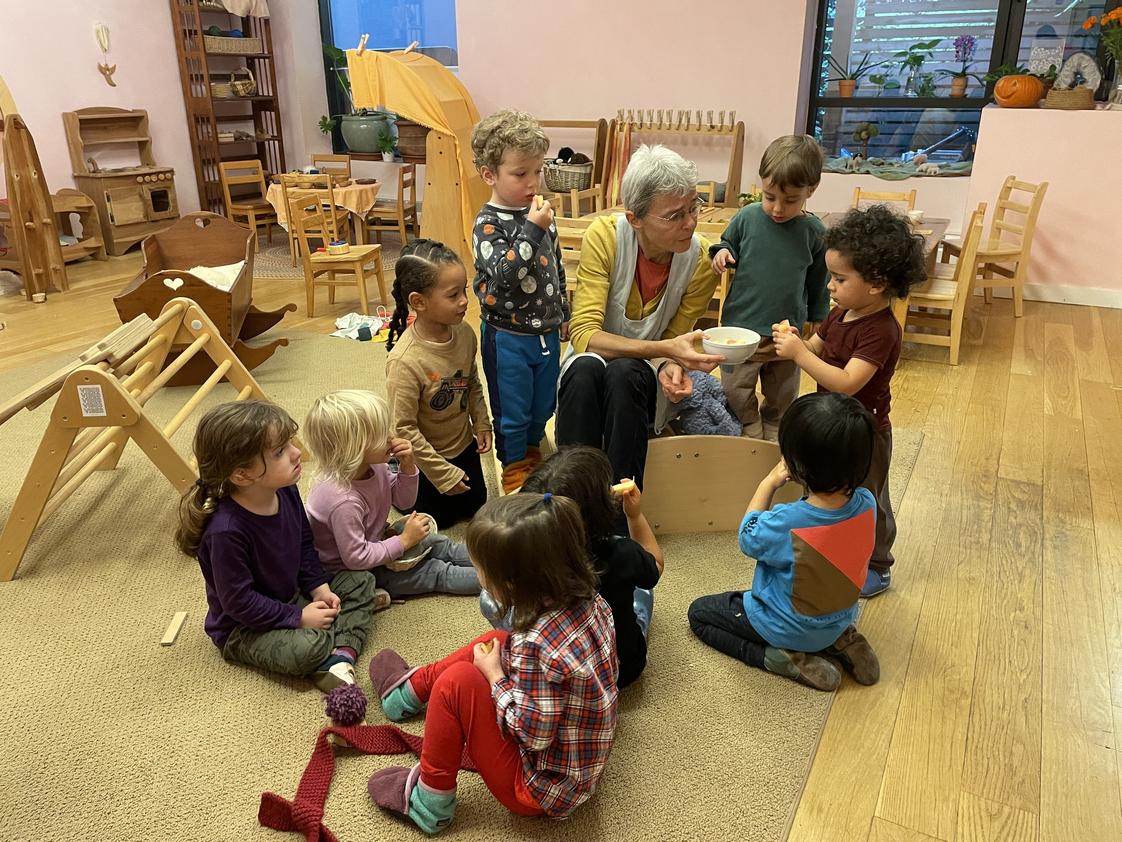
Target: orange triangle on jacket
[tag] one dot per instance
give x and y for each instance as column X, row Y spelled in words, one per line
column 847, row 545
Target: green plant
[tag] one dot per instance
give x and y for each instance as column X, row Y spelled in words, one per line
column 863, row 67
column 326, row 124
column 926, row 85
column 385, row 140
column 750, row 198
column 863, row 134
column 1003, row 71
column 912, row 59
column 338, row 60
column 1050, row 74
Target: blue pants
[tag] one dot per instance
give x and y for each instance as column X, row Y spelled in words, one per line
column 521, row 372
column 642, row 604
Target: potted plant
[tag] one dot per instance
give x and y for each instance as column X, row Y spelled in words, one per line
column 964, row 47
column 1110, row 36
column 1015, row 87
column 361, row 128
column 863, row 134
column 912, row 59
column 848, row 79
column 386, row 144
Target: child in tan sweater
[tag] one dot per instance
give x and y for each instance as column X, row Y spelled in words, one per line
column 436, row 395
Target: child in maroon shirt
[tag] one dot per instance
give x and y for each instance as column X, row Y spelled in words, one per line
column 873, row 257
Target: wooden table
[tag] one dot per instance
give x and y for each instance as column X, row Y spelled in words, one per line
column 357, row 199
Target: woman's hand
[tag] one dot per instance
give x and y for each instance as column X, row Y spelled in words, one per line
column 675, row 383
column 683, row 351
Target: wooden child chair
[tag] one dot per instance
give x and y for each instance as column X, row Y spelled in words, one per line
column 338, row 166
column 943, row 298
column 297, row 190
column 309, row 222
column 389, row 215
column 863, row 199
column 594, row 196
column 251, row 206
column 707, row 191
column 1005, row 252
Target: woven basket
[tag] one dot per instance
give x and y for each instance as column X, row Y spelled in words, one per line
column 222, row 90
column 1077, row 99
column 560, row 178
column 231, row 46
column 246, row 86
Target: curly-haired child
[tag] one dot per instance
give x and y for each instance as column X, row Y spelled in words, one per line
column 520, row 282
column 874, row 257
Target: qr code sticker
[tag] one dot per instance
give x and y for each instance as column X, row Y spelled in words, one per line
column 92, row 400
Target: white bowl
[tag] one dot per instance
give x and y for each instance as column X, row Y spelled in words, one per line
column 735, row 344
column 414, row 554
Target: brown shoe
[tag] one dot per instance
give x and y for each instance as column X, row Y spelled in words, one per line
column 855, row 654
column 515, row 474
column 805, row 668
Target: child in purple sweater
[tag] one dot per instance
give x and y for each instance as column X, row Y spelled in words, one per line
column 271, row 604
column 349, row 433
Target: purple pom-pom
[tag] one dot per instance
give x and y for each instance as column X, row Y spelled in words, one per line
column 346, row 705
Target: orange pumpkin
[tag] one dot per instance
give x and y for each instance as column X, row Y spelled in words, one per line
column 1022, row 91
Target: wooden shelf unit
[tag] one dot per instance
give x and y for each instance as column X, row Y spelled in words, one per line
column 259, row 114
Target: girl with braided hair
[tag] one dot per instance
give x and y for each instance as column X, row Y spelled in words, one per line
column 270, row 603
column 436, row 395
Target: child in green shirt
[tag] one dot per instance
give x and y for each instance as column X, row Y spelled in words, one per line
column 776, row 249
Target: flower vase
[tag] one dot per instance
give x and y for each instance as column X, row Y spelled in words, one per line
column 912, row 82
column 958, row 86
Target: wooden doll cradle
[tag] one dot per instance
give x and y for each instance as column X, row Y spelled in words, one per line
column 203, row 239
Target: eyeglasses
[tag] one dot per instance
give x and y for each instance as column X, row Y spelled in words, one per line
column 678, row 217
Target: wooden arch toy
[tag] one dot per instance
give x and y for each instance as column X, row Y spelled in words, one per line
column 100, row 407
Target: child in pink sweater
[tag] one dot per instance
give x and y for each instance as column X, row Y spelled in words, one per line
column 349, row 433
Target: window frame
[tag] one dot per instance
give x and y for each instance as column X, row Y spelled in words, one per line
column 1010, row 19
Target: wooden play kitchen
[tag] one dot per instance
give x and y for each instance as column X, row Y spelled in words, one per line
column 132, row 201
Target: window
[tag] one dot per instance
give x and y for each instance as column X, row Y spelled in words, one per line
column 908, row 100
column 393, row 25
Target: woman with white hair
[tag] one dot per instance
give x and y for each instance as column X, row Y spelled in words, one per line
column 644, row 280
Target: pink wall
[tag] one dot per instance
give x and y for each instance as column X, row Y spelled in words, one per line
column 1080, row 223
column 586, row 58
column 48, row 57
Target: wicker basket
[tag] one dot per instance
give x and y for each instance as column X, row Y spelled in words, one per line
column 1077, row 99
column 245, row 86
column 222, row 90
column 560, row 178
column 240, row 83
column 222, row 45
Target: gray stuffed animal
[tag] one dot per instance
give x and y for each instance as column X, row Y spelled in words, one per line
column 704, row 412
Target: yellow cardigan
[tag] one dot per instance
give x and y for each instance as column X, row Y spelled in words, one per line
column 594, row 276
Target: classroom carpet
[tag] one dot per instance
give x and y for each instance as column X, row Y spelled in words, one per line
column 106, row 734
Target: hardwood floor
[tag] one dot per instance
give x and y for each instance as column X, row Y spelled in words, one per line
column 999, row 710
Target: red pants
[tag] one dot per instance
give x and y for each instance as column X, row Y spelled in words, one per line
column 461, row 711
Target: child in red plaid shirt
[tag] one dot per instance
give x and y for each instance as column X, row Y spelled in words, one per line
column 536, row 708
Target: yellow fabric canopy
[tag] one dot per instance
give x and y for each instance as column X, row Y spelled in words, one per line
column 425, row 91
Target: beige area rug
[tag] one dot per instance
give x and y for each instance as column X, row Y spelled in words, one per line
column 108, row 735
column 275, row 260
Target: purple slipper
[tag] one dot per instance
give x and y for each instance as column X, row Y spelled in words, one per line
column 390, row 787
column 387, row 671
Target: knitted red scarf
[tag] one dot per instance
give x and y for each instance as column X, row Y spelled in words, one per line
column 304, row 813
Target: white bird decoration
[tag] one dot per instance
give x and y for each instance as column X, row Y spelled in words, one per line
column 101, row 33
